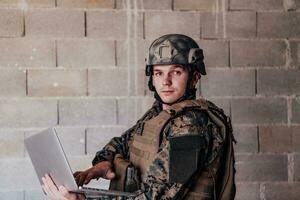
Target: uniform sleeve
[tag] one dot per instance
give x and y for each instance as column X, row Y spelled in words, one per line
column 117, row 145
column 156, row 184
column 120, row 145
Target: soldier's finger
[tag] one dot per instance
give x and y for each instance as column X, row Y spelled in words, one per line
column 88, row 178
column 47, row 189
column 52, row 187
column 81, row 179
column 63, row 190
column 44, row 190
column 110, row 174
column 77, row 173
column 66, row 195
column 77, row 178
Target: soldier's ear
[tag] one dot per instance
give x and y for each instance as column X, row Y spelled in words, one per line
column 196, row 78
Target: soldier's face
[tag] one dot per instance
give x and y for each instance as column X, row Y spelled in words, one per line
column 170, row 81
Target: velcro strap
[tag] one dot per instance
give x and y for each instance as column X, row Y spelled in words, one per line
column 144, row 147
column 145, row 139
column 140, row 153
column 198, row 196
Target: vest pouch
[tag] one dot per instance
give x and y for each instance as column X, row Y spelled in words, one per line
column 184, row 157
column 132, row 182
column 127, row 177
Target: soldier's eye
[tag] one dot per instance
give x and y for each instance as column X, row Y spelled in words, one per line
column 157, row 73
column 177, row 73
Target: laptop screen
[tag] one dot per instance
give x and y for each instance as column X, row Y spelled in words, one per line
column 48, row 157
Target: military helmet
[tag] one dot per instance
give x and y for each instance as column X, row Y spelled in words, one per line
column 178, row 50
column 175, row 49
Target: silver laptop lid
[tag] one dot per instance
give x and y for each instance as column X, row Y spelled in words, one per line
column 48, row 157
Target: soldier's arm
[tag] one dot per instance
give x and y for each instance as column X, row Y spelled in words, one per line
column 103, row 161
column 117, row 145
column 120, row 145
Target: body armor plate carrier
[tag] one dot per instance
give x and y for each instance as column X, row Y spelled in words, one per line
column 215, row 181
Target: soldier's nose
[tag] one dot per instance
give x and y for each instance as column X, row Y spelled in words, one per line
column 167, row 80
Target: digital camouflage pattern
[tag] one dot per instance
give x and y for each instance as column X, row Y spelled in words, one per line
column 155, row 184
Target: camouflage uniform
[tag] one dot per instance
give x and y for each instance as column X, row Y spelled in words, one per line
column 155, row 183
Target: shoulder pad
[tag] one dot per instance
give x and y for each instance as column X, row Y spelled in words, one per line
column 188, row 104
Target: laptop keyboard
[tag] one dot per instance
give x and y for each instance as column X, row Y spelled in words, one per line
column 103, row 192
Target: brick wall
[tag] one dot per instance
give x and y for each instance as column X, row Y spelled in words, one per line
column 78, row 65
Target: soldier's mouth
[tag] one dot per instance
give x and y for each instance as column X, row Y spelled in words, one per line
column 168, row 92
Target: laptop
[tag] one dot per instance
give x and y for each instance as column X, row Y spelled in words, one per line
column 48, row 157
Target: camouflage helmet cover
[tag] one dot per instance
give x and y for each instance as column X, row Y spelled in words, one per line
column 175, row 49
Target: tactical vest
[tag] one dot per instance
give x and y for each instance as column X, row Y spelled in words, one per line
column 144, row 148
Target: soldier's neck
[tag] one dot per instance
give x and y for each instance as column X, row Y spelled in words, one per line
column 165, row 106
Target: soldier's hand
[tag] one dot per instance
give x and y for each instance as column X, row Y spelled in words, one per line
column 58, row 193
column 102, row 169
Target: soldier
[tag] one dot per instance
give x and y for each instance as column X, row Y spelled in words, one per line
column 181, row 146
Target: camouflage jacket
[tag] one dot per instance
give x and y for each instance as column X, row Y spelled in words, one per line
column 156, row 185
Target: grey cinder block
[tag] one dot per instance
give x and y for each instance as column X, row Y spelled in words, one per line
column 147, row 5
column 295, row 53
column 83, row 53
column 295, row 111
column 247, row 191
column 108, row 82
column 102, row 4
column 11, row 143
column 18, row 174
column 247, row 139
column 97, row 26
column 27, row 4
column 87, row 111
column 259, row 5
column 216, row 52
column 296, row 167
column 11, row 23
column 57, row 82
column 132, row 53
column 228, row 82
column 161, row 23
column 278, row 82
column 259, row 110
column 12, row 83
column 131, row 109
column 204, row 5
column 12, row 195
column 277, row 191
column 54, row 23
column 275, row 139
column 72, row 140
column 97, row 138
column 223, row 103
column 278, row 25
column 257, row 53
column 238, row 24
column 252, row 168
column 28, row 112
column 35, row 195
column 24, row 52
